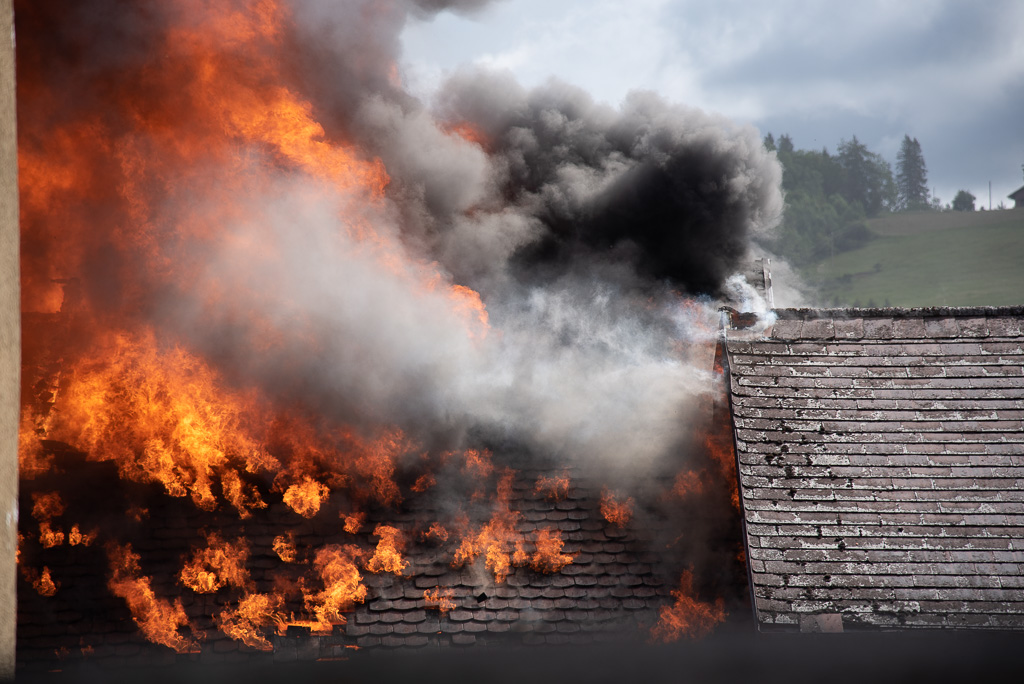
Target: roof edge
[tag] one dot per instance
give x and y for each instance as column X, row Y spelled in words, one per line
column 900, row 312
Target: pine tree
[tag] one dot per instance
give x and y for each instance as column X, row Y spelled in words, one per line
column 911, row 176
column 867, row 177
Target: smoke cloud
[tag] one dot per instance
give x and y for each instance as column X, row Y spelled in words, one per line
column 595, row 237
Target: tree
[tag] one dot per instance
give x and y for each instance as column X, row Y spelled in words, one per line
column 868, row 177
column 964, row 201
column 911, row 176
column 769, row 142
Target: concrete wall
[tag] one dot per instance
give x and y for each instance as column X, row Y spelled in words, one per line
column 10, row 343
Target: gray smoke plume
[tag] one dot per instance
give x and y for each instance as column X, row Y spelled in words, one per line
column 581, row 226
column 594, row 236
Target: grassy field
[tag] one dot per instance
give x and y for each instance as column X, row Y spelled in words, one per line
column 930, row 259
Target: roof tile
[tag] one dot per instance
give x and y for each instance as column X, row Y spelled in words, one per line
column 818, row 329
column 497, row 627
column 848, row 328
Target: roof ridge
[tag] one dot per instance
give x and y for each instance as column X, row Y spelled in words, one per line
column 805, row 313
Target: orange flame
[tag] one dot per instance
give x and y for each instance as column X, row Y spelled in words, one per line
column 244, row 499
column 549, row 557
column 686, row 483
column 468, row 132
column 388, row 557
column 353, row 522
column 245, row 623
column 618, row 513
column 376, row 462
column 47, row 506
column 442, row 600
column 468, row 303
column 49, row 537
column 42, row 582
column 306, row 497
column 220, row 564
column 78, row 538
column 343, row 586
column 721, row 449
column 437, row 533
column 688, row 616
column 423, row 483
column 221, row 77
column 499, row 540
column 185, row 429
column 32, row 460
column 554, row 488
column 284, row 547
column 159, row 619
column 478, row 463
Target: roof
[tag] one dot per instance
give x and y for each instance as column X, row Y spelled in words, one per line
column 1017, row 194
column 608, row 581
column 881, row 461
column 612, row 588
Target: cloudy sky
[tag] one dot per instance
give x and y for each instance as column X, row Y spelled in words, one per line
column 950, row 73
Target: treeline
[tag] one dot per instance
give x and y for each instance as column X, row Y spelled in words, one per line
column 829, row 196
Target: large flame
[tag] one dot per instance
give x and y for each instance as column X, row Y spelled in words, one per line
column 342, row 586
column 220, row 564
column 499, row 540
column 387, row 557
column 159, row 619
column 548, row 556
column 688, row 616
column 246, row 621
column 167, row 201
column 164, row 416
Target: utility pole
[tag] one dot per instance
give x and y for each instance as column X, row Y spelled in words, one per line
column 990, row 195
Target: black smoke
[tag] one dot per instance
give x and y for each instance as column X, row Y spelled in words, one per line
column 674, row 191
column 582, row 226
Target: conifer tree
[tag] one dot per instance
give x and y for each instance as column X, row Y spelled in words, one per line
column 867, row 177
column 911, row 176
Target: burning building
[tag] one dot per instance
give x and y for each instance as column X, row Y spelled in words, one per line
column 310, row 366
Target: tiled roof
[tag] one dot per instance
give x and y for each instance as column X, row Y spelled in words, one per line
column 618, row 580
column 612, row 590
column 881, row 458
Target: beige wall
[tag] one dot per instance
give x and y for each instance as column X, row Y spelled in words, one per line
column 10, row 343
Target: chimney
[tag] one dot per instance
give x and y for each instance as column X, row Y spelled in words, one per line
column 759, row 275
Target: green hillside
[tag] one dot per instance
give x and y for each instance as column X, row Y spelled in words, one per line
column 929, row 259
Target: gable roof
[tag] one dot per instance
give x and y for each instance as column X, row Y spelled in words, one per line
column 1017, row 194
column 881, row 461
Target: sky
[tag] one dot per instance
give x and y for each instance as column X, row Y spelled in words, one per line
column 948, row 73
